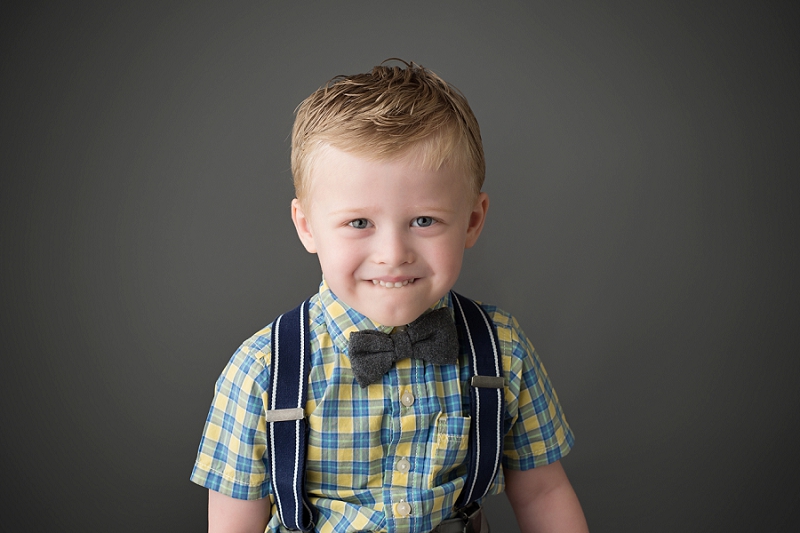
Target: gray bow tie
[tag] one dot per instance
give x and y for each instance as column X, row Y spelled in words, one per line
column 431, row 337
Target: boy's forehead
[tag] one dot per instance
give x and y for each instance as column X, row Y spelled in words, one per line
column 416, row 154
column 329, row 160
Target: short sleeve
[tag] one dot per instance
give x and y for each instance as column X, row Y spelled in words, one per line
column 231, row 457
column 538, row 432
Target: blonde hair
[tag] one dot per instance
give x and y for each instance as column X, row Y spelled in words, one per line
column 382, row 114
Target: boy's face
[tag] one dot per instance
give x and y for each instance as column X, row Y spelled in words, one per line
column 390, row 235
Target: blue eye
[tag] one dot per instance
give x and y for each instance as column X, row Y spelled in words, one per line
column 359, row 223
column 422, row 222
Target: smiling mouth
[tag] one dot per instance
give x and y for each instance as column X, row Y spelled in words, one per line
column 393, row 284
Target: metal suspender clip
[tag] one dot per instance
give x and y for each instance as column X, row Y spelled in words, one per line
column 474, row 519
column 283, row 415
column 488, row 382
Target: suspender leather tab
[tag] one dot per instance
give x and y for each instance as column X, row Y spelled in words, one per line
column 283, row 415
column 488, row 382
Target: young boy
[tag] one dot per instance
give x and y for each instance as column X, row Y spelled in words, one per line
column 388, row 168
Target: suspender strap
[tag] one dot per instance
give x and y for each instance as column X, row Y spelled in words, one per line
column 287, row 430
column 487, row 398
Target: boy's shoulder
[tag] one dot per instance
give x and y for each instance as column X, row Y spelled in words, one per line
column 508, row 329
column 250, row 362
column 256, row 350
column 499, row 316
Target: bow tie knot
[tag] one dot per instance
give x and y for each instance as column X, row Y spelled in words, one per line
column 401, row 339
column 432, row 337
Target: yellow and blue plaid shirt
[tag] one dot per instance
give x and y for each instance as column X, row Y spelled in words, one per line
column 402, row 440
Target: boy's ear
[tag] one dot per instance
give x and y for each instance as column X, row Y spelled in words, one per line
column 303, row 226
column 476, row 219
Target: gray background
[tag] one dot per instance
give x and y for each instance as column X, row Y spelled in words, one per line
column 643, row 169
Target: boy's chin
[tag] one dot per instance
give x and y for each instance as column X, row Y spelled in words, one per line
column 397, row 320
column 394, row 313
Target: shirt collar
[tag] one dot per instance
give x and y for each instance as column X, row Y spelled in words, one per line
column 341, row 319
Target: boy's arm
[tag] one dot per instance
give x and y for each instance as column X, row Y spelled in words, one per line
column 230, row 515
column 543, row 500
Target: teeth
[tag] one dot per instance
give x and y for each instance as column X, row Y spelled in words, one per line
column 392, row 285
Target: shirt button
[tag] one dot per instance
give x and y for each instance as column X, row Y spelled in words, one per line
column 403, row 465
column 403, row 508
column 407, row 398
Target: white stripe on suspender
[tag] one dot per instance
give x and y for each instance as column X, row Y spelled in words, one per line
column 276, row 359
column 301, row 378
column 275, row 369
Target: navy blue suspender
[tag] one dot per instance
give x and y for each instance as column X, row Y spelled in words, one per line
column 287, row 430
column 486, row 395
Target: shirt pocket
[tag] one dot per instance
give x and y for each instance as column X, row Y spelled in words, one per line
column 450, row 446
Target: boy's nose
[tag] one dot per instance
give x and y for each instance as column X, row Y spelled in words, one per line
column 393, row 249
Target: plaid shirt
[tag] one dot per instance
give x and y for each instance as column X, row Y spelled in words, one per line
column 404, row 439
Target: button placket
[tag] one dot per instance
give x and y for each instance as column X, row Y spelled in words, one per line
column 403, row 477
